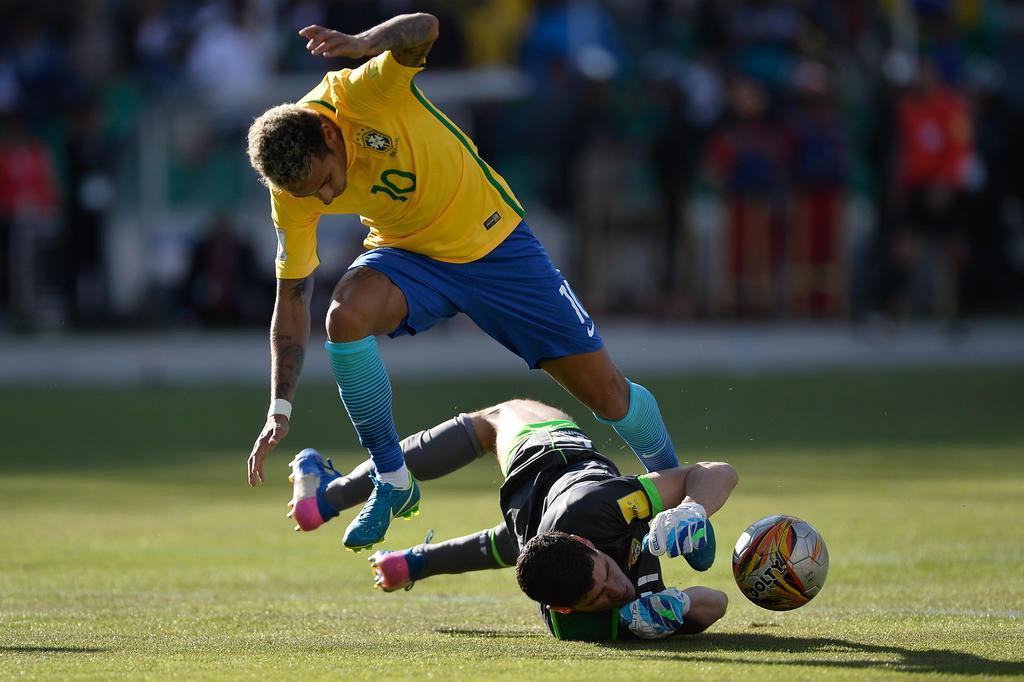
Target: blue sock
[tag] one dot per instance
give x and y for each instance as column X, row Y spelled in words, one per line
column 366, row 394
column 416, row 561
column 643, row 430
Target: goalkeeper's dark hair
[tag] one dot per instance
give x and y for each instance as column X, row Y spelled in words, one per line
column 556, row 569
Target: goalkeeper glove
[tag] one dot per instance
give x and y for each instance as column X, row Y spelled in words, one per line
column 656, row 615
column 681, row 530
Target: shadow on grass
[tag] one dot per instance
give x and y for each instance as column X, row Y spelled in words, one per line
column 791, row 651
column 52, row 649
column 492, row 633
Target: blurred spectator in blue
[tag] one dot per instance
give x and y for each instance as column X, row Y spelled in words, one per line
column 154, row 38
column 36, row 62
column 815, row 275
column 766, row 34
column 577, row 33
column 748, row 160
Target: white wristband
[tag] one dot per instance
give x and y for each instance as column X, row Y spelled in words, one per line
column 282, row 407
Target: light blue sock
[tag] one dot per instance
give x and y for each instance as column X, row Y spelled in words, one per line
column 643, row 430
column 366, row 394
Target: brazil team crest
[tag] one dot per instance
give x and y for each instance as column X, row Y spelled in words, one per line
column 376, row 141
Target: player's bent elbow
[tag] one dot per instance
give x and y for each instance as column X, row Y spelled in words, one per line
column 707, row 606
column 723, row 604
column 433, row 24
column 723, row 471
column 732, row 476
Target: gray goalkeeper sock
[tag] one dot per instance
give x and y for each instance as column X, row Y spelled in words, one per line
column 492, row 548
column 429, row 454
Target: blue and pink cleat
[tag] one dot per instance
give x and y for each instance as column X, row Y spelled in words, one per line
column 391, row 570
column 397, row 570
column 310, row 477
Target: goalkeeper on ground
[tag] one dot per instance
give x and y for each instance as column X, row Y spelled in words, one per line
column 584, row 539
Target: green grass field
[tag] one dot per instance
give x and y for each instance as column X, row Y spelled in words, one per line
column 132, row 547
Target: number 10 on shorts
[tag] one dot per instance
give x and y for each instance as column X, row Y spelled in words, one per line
column 566, row 290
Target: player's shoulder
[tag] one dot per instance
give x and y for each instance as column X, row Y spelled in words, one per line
column 616, row 500
column 351, row 92
column 290, row 212
column 328, row 93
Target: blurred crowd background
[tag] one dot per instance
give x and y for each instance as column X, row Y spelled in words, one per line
column 723, row 159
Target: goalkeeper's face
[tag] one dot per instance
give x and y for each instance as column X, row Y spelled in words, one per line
column 611, row 589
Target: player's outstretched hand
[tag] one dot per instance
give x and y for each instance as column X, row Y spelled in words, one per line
column 656, row 615
column 330, row 43
column 677, row 531
column 273, row 433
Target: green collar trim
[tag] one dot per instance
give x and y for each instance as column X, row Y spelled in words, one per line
column 322, row 103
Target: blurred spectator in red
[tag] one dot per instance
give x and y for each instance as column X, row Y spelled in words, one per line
column 814, row 268
column 223, row 286
column 935, row 147
column 748, row 158
column 28, row 191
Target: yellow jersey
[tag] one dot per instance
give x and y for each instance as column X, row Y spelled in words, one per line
column 415, row 180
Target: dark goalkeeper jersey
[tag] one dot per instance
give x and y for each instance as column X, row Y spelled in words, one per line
column 557, row 481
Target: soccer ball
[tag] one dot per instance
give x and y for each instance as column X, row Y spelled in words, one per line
column 780, row 563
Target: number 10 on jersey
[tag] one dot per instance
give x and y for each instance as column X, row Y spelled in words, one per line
column 566, row 290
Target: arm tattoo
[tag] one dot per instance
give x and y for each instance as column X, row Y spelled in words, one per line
column 289, row 332
column 300, row 288
column 408, row 36
column 289, row 366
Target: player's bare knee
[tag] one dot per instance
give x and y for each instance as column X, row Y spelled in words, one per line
column 364, row 303
column 346, row 322
column 484, row 428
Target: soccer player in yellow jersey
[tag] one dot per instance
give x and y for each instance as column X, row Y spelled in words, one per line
column 446, row 235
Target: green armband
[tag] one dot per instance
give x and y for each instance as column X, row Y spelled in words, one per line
column 657, row 506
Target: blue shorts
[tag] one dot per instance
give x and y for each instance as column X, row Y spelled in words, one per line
column 514, row 293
